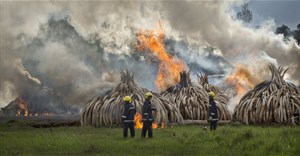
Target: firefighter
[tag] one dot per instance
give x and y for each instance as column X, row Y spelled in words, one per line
column 212, row 112
column 128, row 117
column 147, row 116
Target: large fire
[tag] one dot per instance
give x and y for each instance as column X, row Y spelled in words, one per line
column 169, row 67
column 139, row 124
column 242, row 79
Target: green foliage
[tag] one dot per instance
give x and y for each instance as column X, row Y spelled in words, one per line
column 19, row 139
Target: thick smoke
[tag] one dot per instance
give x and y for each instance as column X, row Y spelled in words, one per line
column 209, row 22
column 23, row 71
column 76, row 54
column 78, row 49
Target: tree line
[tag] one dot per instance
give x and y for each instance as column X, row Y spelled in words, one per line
column 287, row 33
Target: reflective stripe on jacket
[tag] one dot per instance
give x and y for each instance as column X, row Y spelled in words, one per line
column 129, row 112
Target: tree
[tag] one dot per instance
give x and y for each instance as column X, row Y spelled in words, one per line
column 288, row 33
column 296, row 34
column 245, row 14
column 283, row 30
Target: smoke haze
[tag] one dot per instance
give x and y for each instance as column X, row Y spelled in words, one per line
column 78, row 48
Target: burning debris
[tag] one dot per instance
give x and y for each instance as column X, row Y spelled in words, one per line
column 192, row 100
column 40, row 102
column 273, row 100
column 107, row 110
column 18, row 107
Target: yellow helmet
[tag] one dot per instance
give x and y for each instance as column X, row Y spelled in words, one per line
column 127, row 99
column 148, row 95
column 212, row 94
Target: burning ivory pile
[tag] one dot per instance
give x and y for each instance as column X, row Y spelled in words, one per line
column 107, row 110
column 16, row 107
column 192, row 100
column 274, row 100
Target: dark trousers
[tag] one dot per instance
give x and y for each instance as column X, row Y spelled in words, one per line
column 213, row 125
column 129, row 125
column 147, row 126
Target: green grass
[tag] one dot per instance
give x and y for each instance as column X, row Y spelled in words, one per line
column 19, row 139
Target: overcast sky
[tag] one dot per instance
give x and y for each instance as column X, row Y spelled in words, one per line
column 283, row 11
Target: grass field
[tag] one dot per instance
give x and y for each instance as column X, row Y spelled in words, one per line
column 19, row 139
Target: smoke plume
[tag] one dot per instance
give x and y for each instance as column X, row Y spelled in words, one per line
column 231, row 37
column 78, row 48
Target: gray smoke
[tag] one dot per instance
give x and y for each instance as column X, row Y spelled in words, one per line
column 209, row 22
column 78, row 48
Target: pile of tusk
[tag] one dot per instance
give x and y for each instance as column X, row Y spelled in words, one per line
column 192, row 100
column 271, row 101
column 107, row 110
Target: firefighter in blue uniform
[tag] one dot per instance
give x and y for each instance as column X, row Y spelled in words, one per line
column 128, row 117
column 147, row 116
column 212, row 112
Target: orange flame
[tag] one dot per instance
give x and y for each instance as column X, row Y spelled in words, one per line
column 47, row 113
column 139, row 124
column 138, row 121
column 18, row 113
column 154, row 125
column 26, row 113
column 242, row 79
column 169, row 67
column 22, row 106
column 23, row 110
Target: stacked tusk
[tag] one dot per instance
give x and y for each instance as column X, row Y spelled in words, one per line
column 107, row 110
column 270, row 101
column 192, row 100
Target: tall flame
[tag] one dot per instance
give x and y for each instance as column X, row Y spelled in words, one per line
column 169, row 67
